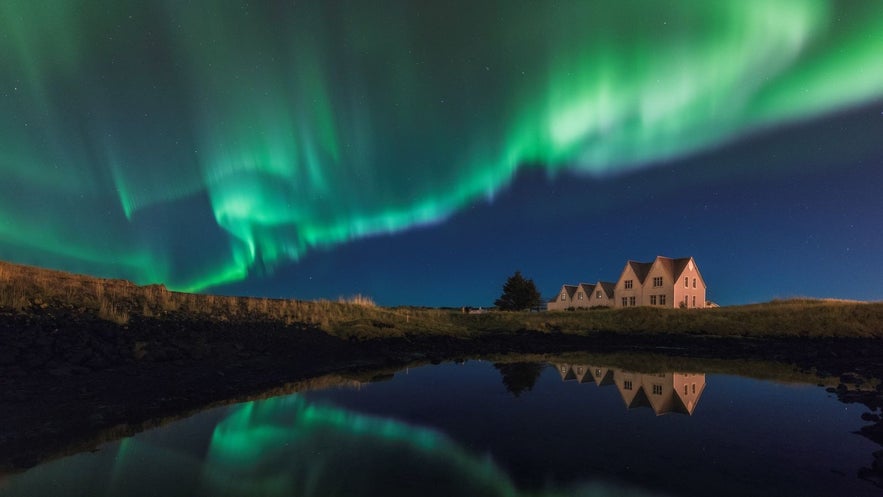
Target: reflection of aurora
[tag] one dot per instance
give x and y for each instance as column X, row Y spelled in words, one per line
column 286, row 446
column 192, row 142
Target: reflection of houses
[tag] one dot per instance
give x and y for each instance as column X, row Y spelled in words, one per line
column 665, row 282
column 662, row 392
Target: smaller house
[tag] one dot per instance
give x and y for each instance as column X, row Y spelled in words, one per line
column 602, row 294
column 583, row 296
column 564, row 299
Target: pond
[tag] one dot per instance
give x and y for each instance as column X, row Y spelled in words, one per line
column 505, row 429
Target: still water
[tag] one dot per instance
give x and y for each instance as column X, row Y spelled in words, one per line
column 484, row 429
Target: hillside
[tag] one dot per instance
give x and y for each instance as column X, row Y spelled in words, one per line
column 26, row 290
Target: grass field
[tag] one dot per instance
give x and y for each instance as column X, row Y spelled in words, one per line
column 25, row 289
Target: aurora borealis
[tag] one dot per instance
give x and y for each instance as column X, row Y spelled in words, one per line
column 288, row 446
column 247, row 148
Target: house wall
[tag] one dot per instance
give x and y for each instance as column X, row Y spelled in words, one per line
column 665, row 290
column 581, row 298
column 659, row 389
column 688, row 292
column 621, row 291
column 689, row 387
column 603, row 300
column 558, row 304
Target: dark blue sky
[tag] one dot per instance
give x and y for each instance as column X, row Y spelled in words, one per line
column 791, row 212
column 421, row 152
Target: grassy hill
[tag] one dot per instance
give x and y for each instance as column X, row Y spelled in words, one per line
column 40, row 292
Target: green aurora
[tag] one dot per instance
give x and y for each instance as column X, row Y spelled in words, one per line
column 287, row 446
column 195, row 143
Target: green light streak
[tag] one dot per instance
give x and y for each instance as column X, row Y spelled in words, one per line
column 273, row 131
column 287, row 446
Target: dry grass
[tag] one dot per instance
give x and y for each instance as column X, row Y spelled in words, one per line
column 358, row 317
column 358, row 299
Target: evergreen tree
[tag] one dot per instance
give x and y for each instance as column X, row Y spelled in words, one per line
column 519, row 293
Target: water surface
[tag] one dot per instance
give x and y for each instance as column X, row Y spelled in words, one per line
column 478, row 428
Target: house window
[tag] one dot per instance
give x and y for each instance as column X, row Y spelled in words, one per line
column 632, row 301
column 694, row 388
column 694, row 301
column 598, row 294
column 657, row 389
column 598, row 373
column 685, row 389
column 653, row 300
column 694, row 282
column 563, row 296
column 685, row 301
column 628, row 284
column 662, row 300
column 625, row 302
column 627, row 385
column 657, row 281
column 686, row 281
column 579, row 296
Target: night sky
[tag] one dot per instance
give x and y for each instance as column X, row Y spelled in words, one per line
column 421, row 152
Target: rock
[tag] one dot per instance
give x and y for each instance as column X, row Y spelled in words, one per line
column 869, row 416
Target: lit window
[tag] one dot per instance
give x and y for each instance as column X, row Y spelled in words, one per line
column 563, row 296
column 662, row 300
column 598, row 373
column 657, row 281
column 579, row 296
column 628, row 284
column 598, row 294
column 632, row 301
column 627, row 385
column 653, row 300
column 686, row 281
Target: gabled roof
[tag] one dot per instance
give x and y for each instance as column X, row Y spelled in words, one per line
column 673, row 267
column 570, row 289
column 608, row 287
column 588, row 287
column 641, row 269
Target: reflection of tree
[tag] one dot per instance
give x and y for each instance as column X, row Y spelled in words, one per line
column 519, row 376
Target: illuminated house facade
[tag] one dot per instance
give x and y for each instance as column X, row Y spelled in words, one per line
column 664, row 282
